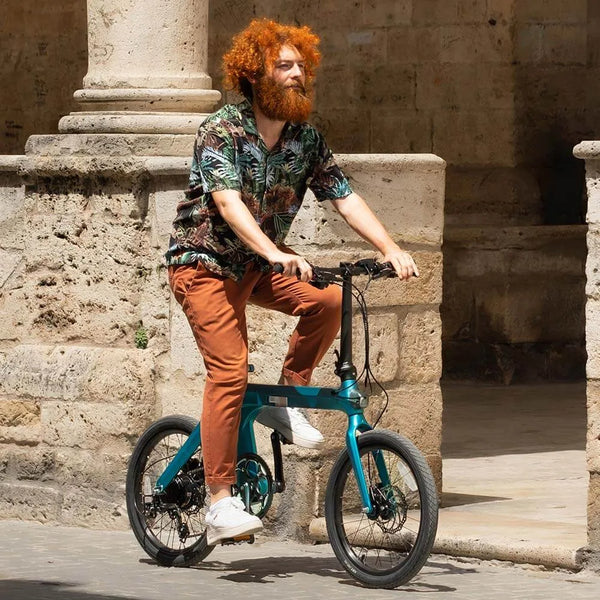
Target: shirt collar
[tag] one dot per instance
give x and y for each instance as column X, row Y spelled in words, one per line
column 248, row 118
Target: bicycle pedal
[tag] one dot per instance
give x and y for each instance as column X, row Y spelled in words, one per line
column 241, row 539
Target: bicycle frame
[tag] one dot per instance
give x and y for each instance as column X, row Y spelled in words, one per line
column 347, row 398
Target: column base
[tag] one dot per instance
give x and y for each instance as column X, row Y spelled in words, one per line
column 148, row 99
column 131, row 122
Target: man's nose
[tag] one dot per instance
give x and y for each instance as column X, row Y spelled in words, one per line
column 296, row 72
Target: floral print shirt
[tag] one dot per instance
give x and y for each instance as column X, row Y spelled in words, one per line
column 229, row 154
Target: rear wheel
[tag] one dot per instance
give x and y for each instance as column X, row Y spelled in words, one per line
column 170, row 526
column 389, row 547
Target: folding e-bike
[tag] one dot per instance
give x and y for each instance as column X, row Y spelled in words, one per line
column 381, row 504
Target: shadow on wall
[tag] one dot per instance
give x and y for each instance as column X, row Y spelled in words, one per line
column 496, row 420
column 43, row 61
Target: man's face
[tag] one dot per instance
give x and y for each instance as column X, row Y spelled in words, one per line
column 281, row 92
column 288, row 69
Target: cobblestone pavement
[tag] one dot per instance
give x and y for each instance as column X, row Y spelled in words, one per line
column 57, row 563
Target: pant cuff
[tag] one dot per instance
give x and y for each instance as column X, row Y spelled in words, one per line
column 220, row 480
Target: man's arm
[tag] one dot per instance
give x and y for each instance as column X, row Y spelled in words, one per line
column 239, row 218
column 359, row 216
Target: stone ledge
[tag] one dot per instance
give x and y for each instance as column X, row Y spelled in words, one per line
column 587, row 150
column 523, row 553
column 111, row 144
column 11, row 162
column 52, row 156
column 424, row 163
column 518, row 237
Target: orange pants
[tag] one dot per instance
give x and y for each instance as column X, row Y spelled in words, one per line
column 215, row 307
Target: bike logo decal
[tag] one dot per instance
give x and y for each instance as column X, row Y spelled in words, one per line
column 278, row 400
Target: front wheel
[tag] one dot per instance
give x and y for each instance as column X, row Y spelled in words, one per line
column 388, row 547
column 169, row 526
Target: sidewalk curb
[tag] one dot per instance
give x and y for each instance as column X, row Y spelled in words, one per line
column 547, row 556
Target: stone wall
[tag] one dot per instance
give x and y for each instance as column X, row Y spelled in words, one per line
column 43, row 58
column 501, row 89
column 514, row 307
column 82, row 242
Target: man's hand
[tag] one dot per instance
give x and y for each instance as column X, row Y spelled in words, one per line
column 403, row 263
column 293, row 265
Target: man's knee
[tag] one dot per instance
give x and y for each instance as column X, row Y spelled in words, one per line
column 331, row 300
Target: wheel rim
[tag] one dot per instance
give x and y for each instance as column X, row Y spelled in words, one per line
column 381, row 543
column 175, row 521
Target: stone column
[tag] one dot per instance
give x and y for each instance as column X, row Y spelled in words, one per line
column 590, row 152
column 147, row 68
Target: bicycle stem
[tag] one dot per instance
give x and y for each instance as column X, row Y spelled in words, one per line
column 345, row 369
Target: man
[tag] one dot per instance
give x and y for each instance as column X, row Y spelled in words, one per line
column 251, row 167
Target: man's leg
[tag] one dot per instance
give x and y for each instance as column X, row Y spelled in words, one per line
column 215, row 309
column 320, row 315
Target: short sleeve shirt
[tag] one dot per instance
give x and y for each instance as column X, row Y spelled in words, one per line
column 229, row 154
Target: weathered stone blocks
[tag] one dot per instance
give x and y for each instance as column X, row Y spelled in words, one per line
column 590, row 152
column 77, row 373
column 420, row 347
column 593, row 514
column 412, row 185
column 94, row 509
column 75, row 394
column 81, row 408
column 30, row 501
column 20, row 422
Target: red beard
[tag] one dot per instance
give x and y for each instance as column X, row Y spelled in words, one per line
column 282, row 103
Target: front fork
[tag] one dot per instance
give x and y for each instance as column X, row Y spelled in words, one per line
column 356, row 426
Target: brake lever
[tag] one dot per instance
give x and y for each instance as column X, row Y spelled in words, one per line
column 388, row 270
column 385, row 270
column 318, row 281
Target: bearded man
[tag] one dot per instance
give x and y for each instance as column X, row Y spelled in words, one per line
column 251, row 167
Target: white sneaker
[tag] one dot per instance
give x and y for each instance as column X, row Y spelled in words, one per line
column 292, row 424
column 227, row 519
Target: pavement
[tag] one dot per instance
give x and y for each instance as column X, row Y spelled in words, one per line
column 515, row 475
column 41, row 562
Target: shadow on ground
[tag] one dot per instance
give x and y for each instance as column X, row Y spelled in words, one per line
column 49, row 590
column 264, row 570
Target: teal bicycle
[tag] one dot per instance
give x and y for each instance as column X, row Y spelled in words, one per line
column 381, row 503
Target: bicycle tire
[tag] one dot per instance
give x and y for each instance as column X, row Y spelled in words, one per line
column 159, row 534
column 389, row 549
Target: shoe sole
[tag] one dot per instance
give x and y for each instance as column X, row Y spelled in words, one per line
column 231, row 532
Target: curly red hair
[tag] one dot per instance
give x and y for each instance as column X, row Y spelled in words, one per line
column 258, row 46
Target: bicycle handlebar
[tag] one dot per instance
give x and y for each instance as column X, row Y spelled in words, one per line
column 365, row 266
